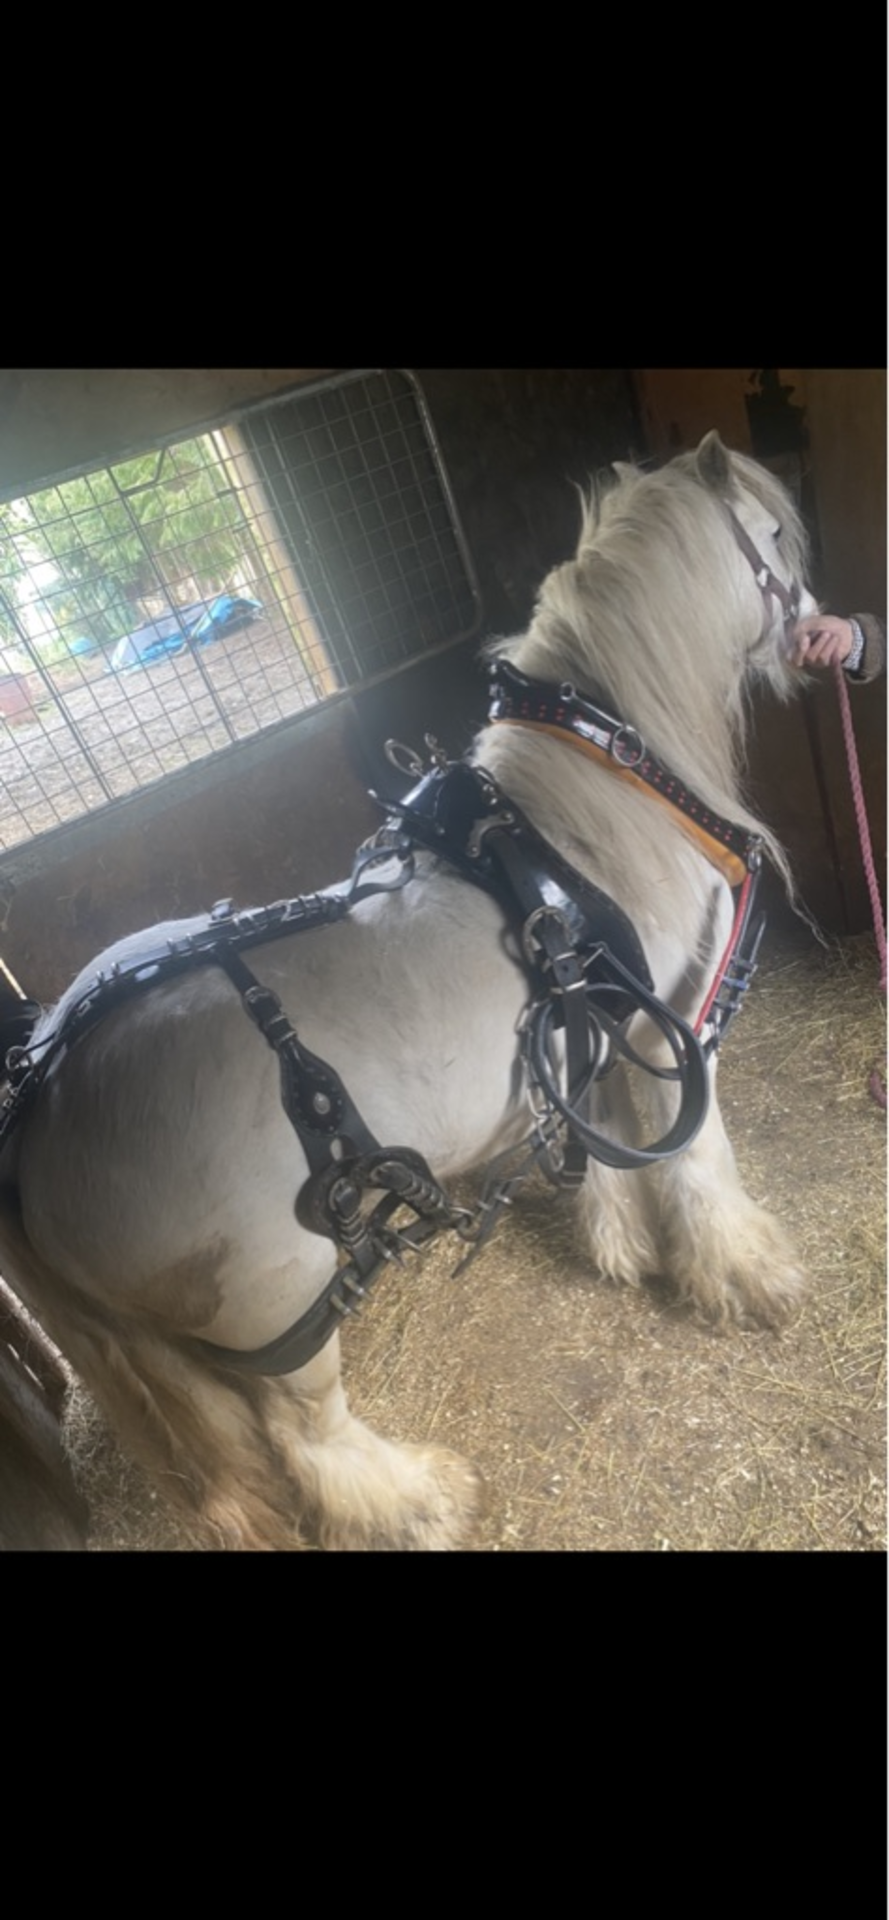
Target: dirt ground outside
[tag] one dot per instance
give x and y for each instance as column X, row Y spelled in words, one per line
column 616, row 1421
column 143, row 723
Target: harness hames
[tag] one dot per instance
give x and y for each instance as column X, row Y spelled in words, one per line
column 588, row 977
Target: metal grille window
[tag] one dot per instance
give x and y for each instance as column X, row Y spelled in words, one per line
column 157, row 611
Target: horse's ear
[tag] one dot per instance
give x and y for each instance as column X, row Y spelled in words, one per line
column 624, row 469
column 714, row 464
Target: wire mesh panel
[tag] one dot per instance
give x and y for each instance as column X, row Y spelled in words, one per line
column 356, row 482
column 155, row 612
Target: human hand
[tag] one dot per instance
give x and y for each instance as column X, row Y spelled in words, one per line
column 820, row 640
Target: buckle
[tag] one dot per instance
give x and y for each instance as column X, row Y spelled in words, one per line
column 532, row 952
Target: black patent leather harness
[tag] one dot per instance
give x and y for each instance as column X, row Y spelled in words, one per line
column 588, row 976
column 557, row 708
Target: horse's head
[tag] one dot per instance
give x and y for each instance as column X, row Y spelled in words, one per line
column 771, row 549
column 686, row 581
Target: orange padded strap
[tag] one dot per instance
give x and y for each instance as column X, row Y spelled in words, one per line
column 729, row 864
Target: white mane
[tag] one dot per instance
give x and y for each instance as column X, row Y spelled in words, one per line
column 655, row 617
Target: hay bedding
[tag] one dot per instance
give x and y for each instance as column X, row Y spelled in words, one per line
column 614, row 1420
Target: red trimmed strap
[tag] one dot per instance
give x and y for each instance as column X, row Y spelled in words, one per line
column 719, row 976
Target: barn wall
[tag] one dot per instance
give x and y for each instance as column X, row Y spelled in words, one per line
column 847, row 426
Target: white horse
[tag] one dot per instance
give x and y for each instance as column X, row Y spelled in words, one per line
column 148, row 1195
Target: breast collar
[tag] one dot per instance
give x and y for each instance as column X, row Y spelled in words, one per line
column 560, row 710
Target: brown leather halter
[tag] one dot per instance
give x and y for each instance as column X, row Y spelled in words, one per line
column 769, row 585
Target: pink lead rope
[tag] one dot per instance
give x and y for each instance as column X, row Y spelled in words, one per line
column 877, row 1085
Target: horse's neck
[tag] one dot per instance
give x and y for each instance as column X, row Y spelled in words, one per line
column 668, row 716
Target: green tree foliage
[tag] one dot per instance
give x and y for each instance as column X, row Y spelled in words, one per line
column 165, row 523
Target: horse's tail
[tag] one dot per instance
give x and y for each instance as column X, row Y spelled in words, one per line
column 202, row 1436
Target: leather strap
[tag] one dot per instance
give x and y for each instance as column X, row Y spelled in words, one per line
column 317, row 1104
column 579, row 723
column 460, row 814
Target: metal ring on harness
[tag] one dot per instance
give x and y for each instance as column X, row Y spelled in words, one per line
column 690, row 1072
column 409, row 763
column 636, row 755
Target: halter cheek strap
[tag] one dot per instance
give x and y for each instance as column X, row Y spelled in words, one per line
column 768, row 583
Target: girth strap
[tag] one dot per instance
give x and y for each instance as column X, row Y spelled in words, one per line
column 547, row 939
column 459, row 813
column 582, row 951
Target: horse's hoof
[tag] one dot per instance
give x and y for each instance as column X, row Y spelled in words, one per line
column 450, row 1517
column 768, row 1300
column 435, row 1507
